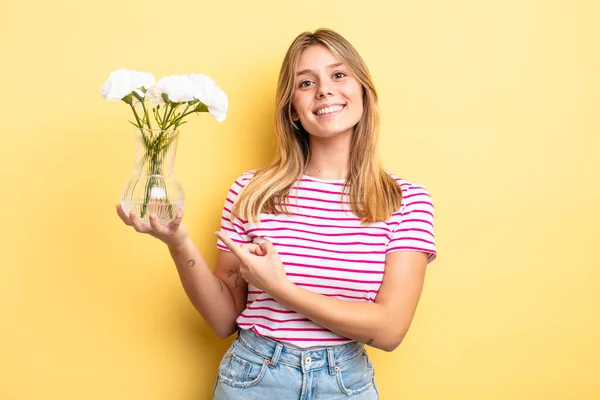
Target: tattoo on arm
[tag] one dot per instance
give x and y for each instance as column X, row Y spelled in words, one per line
column 235, row 275
column 192, row 262
column 370, row 342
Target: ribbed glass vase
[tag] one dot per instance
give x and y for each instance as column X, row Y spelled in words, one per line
column 153, row 188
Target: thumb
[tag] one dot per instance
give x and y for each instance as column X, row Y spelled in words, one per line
column 267, row 247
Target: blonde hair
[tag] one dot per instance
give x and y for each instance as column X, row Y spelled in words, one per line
column 373, row 194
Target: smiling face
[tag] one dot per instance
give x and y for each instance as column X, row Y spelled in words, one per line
column 327, row 99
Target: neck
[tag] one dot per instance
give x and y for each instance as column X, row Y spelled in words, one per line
column 329, row 157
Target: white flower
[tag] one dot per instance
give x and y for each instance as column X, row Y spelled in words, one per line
column 154, row 95
column 211, row 95
column 218, row 104
column 178, row 88
column 122, row 82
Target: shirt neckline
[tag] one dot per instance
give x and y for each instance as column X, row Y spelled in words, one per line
column 323, row 180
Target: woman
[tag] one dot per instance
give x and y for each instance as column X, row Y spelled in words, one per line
column 323, row 251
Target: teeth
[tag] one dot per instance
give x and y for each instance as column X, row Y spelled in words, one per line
column 329, row 110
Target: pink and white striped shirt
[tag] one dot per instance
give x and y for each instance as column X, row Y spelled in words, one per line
column 325, row 249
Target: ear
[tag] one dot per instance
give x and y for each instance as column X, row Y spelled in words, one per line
column 294, row 115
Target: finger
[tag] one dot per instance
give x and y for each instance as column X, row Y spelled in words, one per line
column 258, row 251
column 122, row 215
column 138, row 225
column 244, row 272
column 233, row 246
column 252, row 248
column 156, row 226
column 247, row 248
column 267, row 247
column 174, row 224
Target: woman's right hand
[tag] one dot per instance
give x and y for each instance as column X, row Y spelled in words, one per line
column 173, row 234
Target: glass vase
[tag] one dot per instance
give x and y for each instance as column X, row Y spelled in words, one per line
column 153, row 188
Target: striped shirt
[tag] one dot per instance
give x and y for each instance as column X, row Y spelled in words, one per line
column 325, row 249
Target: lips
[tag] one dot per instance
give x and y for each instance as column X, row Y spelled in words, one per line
column 329, row 109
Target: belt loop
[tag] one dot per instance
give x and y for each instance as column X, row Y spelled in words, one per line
column 331, row 361
column 275, row 357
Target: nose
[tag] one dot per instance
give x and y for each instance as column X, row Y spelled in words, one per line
column 324, row 90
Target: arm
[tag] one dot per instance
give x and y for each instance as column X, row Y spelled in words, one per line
column 220, row 296
column 382, row 324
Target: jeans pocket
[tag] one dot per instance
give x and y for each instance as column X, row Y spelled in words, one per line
column 356, row 375
column 241, row 367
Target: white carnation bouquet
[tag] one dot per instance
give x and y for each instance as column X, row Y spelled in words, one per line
column 179, row 96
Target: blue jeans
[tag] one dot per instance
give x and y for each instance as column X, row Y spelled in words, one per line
column 261, row 368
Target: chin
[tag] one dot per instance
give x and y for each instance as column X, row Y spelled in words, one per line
column 331, row 132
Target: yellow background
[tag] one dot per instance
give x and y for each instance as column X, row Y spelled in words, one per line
column 492, row 105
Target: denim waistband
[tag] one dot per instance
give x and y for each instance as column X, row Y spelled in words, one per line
column 308, row 359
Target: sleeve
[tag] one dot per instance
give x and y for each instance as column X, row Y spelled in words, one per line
column 234, row 228
column 414, row 224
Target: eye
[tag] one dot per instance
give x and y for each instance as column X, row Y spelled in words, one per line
column 305, row 84
column 339, row 75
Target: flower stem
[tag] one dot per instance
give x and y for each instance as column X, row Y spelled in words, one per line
column 146, row 114
column 172, row 109
column 178, row 120
column 140, row 124
column 164, row 120
column 157, row 116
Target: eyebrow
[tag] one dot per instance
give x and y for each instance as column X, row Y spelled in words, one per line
column 306, row 71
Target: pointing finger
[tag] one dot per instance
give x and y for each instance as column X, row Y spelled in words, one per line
column 233, row 246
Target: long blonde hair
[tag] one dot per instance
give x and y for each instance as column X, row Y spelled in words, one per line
column 374, row 194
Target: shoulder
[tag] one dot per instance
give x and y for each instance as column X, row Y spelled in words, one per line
column 244, row 178
column 412, row 193
column 239, row 184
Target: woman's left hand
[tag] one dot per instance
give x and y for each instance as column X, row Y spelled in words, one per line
column 266, row 272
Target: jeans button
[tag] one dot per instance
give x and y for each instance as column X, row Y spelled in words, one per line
column 308, row 360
